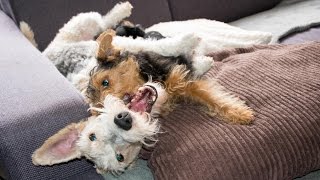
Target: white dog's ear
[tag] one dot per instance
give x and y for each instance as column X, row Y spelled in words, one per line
column 60, row 147
column 106, row 52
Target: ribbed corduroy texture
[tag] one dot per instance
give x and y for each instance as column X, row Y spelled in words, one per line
column 282, row 85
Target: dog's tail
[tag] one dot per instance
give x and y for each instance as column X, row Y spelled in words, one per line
column 28, row 33
column 117, row 14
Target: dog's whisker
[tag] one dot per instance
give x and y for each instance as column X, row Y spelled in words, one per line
column 149, row 78
column 97, row 109
column 100, row 103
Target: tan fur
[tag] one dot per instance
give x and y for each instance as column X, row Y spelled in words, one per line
column 210, row 94
column 225, row 105
column 28, row 33
column 105, row 50
column 125, row 78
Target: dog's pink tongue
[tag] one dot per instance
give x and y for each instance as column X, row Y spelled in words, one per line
column 140, row 105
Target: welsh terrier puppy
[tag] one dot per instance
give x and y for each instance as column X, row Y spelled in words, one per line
column 122, row 73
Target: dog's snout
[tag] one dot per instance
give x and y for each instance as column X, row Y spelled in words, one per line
column 123, row 120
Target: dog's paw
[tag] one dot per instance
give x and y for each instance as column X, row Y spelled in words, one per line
column 117, row 13
column 242, row 116
column 123, row 9
column 201, row 64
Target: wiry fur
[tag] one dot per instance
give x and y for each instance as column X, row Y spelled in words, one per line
column 129, row 67
column 208, row 93
column 73, row 48
column 173, row 72
column 73, row 141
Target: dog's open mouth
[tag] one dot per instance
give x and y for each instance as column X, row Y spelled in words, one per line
column 143, row 100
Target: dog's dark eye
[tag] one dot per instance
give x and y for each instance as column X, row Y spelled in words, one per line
column 120, row 157
column 105, row 83
column 92, row 137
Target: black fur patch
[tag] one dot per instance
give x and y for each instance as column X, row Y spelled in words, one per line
column 151, row 64
column 157, row 66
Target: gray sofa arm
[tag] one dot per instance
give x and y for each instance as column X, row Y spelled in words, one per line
column 35, row 102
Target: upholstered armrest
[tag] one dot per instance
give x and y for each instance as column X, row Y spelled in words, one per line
column 35, row 102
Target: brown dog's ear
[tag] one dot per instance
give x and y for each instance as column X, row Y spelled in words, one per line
column 106, row 52
column 60, row 147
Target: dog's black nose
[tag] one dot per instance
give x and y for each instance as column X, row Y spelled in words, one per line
column 123, row 120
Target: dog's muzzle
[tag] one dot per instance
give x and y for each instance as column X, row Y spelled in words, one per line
column 123, row 120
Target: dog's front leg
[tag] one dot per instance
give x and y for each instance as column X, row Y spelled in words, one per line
column 208, row 93
column 229, row 107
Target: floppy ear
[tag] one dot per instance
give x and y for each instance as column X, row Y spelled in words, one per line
column 60, row 147
column 106, row 52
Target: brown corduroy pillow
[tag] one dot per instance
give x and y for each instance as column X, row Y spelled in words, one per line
column 282, row 85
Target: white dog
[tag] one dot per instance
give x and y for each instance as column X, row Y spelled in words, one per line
column 111, row 140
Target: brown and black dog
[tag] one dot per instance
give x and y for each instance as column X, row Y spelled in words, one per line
column 122, row 74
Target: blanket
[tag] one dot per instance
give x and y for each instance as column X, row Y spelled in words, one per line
column 288, row 17
column 282, row 85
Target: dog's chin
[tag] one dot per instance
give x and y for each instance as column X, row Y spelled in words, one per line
column 144, row 99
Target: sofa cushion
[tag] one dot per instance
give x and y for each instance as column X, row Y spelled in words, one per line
column 46, row 18
column 282, row 85
column 35, row 102
column 226, row 10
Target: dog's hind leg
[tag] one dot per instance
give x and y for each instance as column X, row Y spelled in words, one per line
column 85, row 26
column 210, row 94
column 82, row 27
column 116, row 14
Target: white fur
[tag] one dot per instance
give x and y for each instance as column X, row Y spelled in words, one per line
column 183, row 44
column 73, row 50
column 214, row 35
column 75, row 140
column 111, row 139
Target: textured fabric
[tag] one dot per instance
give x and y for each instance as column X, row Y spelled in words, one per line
column 287, row 17
column 226, row 10
column 36, row 101
column 282, row 85
column 312, row 34
column 47, row 17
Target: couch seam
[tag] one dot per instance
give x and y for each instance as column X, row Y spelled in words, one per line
column 5, row 6
column 170, row 10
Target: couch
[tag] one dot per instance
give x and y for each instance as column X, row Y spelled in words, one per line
column 37, row 101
